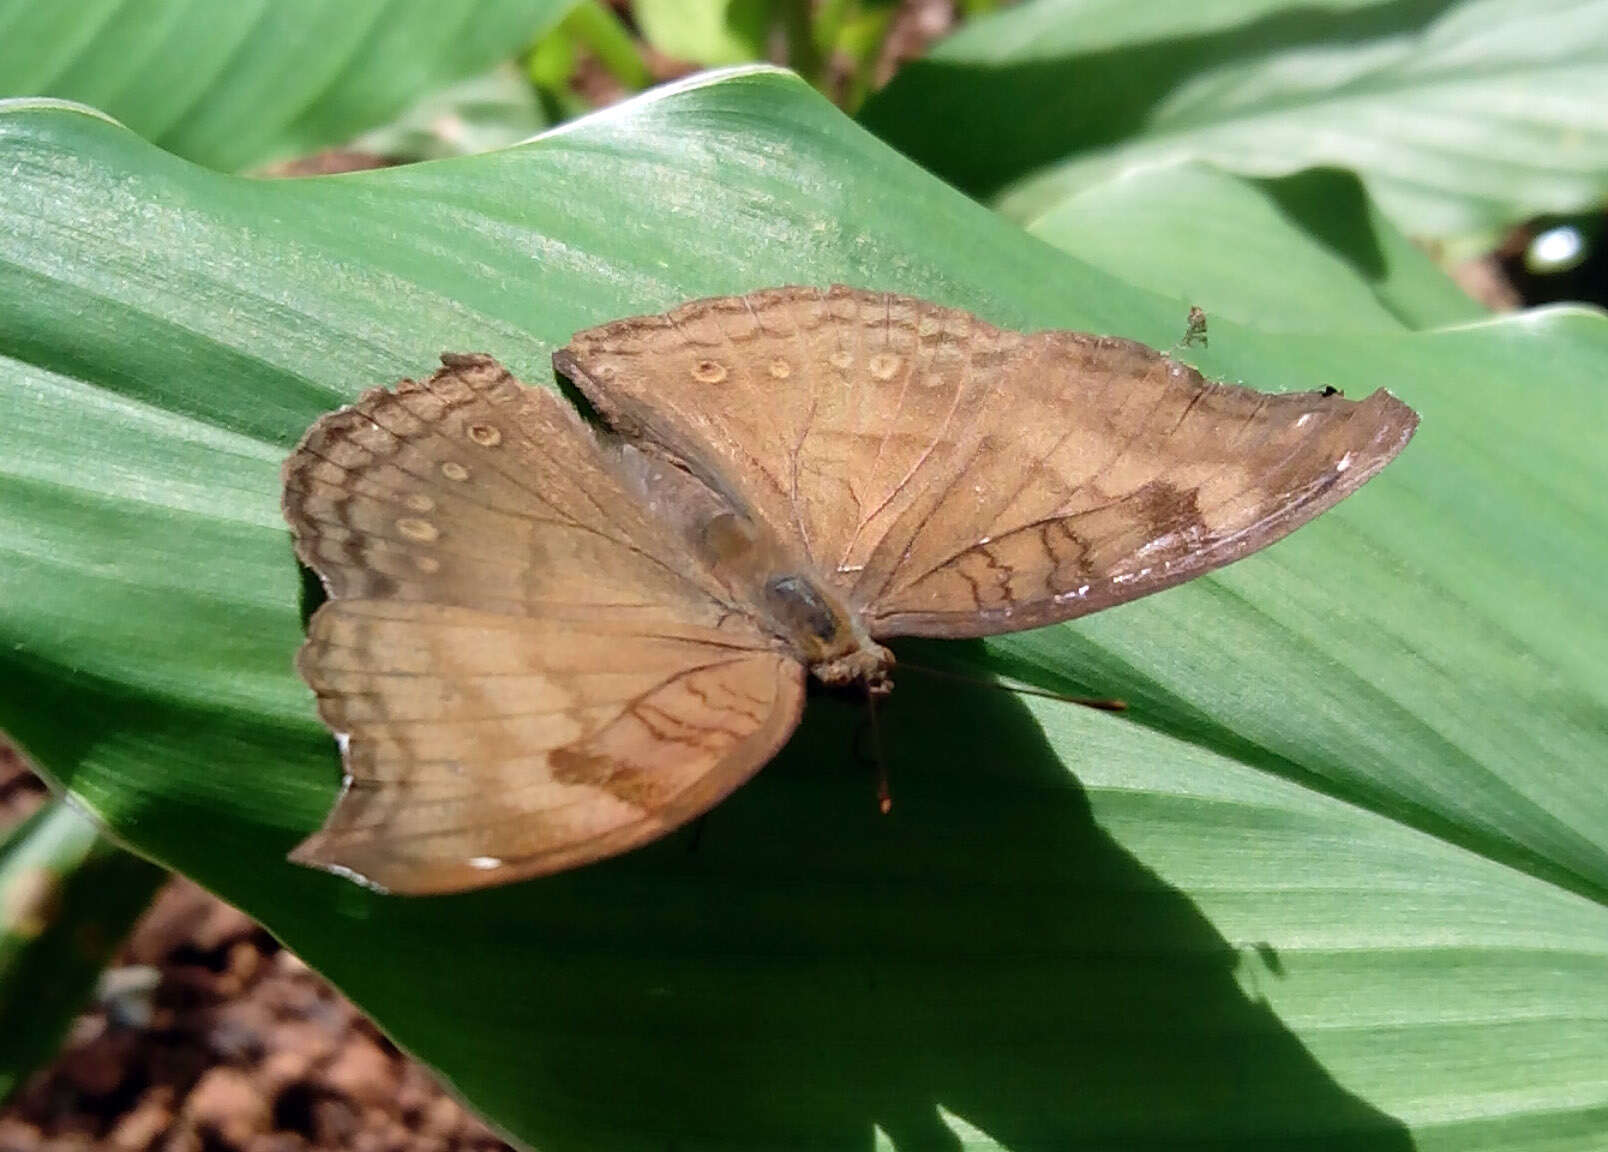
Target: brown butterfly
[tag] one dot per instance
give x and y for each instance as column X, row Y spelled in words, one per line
column 548, row 643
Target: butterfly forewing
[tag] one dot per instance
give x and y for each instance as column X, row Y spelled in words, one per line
column 821, row 411
column 1128, row 473
column 951, row 478
column 524, row 670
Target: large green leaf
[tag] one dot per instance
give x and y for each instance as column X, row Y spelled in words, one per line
column 492, row 110
column 232, row 85
column 706, row 31
column 1336, row 880
column 1308, row 251
column 1460, row 115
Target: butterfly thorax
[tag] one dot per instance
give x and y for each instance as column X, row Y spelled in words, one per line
column 805, row 611
column 829, row 636
column 745, row 556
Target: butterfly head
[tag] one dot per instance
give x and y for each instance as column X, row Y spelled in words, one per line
column 870, row 665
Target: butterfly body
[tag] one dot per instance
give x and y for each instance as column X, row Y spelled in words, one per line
column 801, row 608
column 548, row 642
column 832, row 641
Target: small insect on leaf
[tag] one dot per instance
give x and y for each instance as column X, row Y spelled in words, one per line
column 1195, row 328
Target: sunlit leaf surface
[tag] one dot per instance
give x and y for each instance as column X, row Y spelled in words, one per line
column 1460, row 115
column 235, row 85
column 1300, row 253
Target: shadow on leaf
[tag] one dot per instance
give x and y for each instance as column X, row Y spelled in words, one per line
column 797, row 972
column 802, row 970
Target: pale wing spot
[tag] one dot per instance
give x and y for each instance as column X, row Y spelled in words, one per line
column 485, row 435
column 485, row 863
column 1344, row 463
column 419, row 502
column 355, row 877
column 885, row 365
column 429, row 565
column 454, row 471
column 780, row 368
column 841, row 360
column 709, row 371
column 416, row 529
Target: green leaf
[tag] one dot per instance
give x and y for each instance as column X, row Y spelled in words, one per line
column 1308, row 251
column 236, row 85
column 594, row 26
column 489, row 111
column 68, row 897
column 1337, row 879
column 706, row 32
column 1460, row 115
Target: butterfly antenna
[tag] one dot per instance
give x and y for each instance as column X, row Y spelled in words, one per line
column 884, row 794
column 1099, row 703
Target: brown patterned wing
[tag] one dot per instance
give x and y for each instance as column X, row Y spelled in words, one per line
column 814, row 409
column 523, row 670
column 1118, row 472
column 956, row 479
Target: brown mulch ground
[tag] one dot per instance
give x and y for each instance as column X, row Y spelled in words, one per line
column 245, row 1049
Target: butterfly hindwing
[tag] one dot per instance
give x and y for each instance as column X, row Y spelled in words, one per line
column 524, row 671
